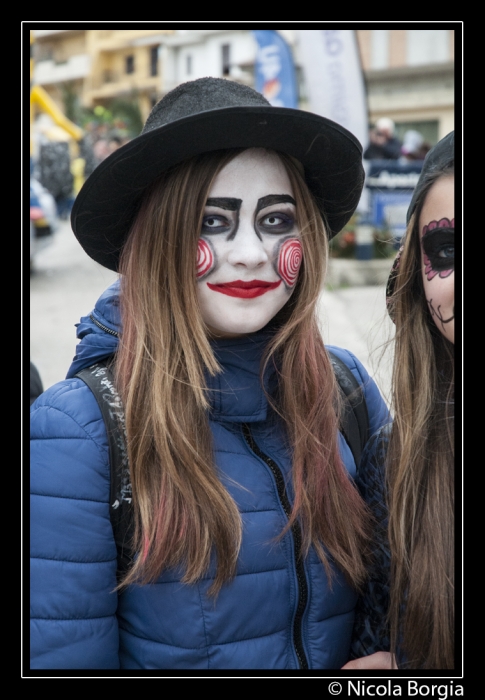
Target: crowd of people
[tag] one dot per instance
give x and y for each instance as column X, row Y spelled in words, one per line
column 62, row 164
column 385, row 145
column 253, row 537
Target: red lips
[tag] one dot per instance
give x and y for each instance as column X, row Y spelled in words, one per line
column 244, row 290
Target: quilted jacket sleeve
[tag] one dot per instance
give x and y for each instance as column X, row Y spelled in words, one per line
column 73, row 555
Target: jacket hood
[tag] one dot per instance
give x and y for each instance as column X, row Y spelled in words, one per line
column 98, row 332
column 235, row 395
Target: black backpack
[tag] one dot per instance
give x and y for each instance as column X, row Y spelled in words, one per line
column 99, row 378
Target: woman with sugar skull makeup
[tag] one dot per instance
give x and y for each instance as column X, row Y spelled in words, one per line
column 250, row 538
column 417, row 454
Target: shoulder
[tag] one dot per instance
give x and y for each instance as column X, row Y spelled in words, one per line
column 376, row 407
column 69, row 452
column 67, row 407
column 357, row 368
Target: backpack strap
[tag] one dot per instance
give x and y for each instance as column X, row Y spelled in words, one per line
column 355, row 417
column 99, row 378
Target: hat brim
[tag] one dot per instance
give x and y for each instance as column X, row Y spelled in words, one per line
column 109, row 200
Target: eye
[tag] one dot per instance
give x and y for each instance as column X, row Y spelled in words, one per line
column 276, row 222
column 214, row 224
column 273, row 220
column 447, row 252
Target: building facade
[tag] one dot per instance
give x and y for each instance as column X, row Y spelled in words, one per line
column 409, row 73
column 99, row 65
column 410, row 77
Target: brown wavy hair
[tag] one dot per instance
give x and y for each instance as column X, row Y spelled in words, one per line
column 182, row 510
column 420, row 469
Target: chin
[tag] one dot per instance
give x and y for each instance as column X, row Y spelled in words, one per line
column 234, row 330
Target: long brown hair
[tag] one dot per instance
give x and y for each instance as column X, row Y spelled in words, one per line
column 182, row 510
column 421, row 470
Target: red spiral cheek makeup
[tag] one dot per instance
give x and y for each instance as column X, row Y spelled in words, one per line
column 289, row 260
column 205, row 258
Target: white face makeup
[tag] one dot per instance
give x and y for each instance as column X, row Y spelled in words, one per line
column 437, row 229
column 249, row 249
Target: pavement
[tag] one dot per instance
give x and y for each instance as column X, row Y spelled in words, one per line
column 65, row 284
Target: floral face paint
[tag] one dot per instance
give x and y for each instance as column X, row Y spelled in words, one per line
column 438, row 242
column 437, row 226
column 249, row 250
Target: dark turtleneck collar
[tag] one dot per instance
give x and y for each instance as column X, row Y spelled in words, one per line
column 236, row 395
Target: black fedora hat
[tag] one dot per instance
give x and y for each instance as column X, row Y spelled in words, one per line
column 209, row 114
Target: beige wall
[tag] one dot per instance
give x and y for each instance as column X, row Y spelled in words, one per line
column 399, row 92
column 397, row 48
column 107, row 49
column 364, row 38
column 396, row 57
column 61, row 46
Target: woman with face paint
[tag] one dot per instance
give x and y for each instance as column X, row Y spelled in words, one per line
column 420, row 447
column 250, row 539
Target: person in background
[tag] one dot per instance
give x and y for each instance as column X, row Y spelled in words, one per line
column 114, row 143
column 408, row 469
column 250, row 537
column 101, row 149
column 383, row 143
column 414, row 147
column 36, row 387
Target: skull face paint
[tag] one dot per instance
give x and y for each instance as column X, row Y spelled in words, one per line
column 249, row 251
column 437, row 228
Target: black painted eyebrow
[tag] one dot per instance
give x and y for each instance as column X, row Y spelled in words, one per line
column 229, row 203
column 274, row 199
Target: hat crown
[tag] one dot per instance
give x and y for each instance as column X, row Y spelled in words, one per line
column 438, row 158
column 202, row 95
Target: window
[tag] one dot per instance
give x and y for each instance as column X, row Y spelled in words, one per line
column 380, row 48
column 226, row 61
column 188, row 64
column 428, row 130
column 154, row 60
column 130, row 64
column 427, row 46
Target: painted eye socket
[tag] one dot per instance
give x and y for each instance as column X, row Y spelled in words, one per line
column 447, row 252
column 276, row 223
column 214, row 224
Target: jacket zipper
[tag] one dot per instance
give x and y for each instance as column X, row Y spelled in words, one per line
column 103, row 328
column 296, row 532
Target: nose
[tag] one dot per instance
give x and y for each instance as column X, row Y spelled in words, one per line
column 247, row 248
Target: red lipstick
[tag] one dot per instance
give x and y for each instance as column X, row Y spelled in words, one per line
column 244, row 290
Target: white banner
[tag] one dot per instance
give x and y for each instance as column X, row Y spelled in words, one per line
column 333, row 76
column 334, row 79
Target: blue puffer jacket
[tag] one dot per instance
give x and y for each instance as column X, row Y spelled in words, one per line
column 276, row 614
